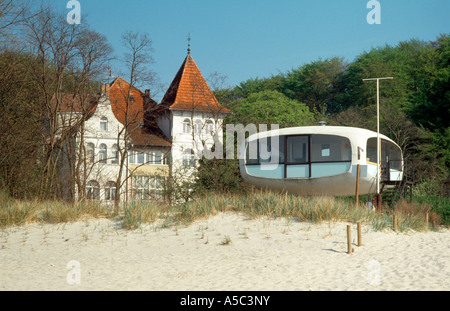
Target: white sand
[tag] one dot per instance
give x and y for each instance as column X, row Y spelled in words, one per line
column 262, row 255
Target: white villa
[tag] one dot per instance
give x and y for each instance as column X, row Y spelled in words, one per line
column 127, row 134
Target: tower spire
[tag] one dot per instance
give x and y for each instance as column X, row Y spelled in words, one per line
column 189, row 44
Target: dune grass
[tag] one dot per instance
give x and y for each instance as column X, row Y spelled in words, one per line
column 307, row 209
column 252, row 204
column 21, row 212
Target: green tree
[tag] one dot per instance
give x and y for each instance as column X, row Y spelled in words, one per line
column 271, row 107
column 320, row 82
column 20, row 117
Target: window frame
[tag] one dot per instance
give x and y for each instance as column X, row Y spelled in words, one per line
column 110, row 191
column 92, row 190
column 187, row 128
column 188, row 158
column 147, row 187
column 90, row 152
column 103, row 123
column 285, row 159
column 102, row 153
column 115, row 159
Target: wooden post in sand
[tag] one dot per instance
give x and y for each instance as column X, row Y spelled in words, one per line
column 349, row 239
column 358, row 224
column 394, row 220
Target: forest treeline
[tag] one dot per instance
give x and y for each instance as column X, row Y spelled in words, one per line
column 414, row 106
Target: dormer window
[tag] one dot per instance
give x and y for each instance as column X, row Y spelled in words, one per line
column 104, row 124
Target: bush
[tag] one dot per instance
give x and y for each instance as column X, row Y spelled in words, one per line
column 219, row 175
column 439, row 204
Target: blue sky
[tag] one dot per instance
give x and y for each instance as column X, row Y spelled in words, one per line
column 248, row 38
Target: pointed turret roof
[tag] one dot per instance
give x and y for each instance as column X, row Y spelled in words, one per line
column 189, row 91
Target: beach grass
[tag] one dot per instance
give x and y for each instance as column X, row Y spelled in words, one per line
column 137, row 213
column 21, row 212
column 255, row 204
column 410, row 216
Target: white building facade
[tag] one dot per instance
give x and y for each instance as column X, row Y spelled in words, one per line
column 131, row 146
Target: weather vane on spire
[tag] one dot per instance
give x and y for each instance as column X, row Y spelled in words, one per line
column 189, row 44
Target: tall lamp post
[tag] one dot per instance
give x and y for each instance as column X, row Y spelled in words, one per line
column 378, row 135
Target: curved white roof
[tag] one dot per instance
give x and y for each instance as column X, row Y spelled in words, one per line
column 353, row 133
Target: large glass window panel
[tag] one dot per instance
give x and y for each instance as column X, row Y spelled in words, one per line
column 267, row 170
column 372, row 150
column 329, row 169
column 271, row 147
column 389, row 152
column 297, row 149
column 297, row 171
column 395, row 157
column 330, row 148
column 252, row 152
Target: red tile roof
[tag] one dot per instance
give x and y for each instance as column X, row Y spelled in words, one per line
column 128, row 102
column 149, row 137
column 140, row 124
column 74, row 103
column 189, row 91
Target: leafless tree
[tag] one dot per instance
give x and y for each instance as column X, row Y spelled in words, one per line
column 137, row 60
column 13, row 13
column 68, row 59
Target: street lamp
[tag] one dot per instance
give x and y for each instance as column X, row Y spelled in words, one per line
column 378, row 134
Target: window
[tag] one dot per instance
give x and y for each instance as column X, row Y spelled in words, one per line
column 297, row 149
column 157, row 157
column 188, row 158
column 147, row 187
column 131, row 157
column 187, row 126
column 103, row 153
column 140, row 186
column 300, row 156
column 140, row 157
column 325, row 150
column 390, row 153
column 90, row 153
column 330, row 148
column 209, row 127
column 110, row 191
column 115, row 154
column 104, row 124
column 198, row 126
column 92, row 190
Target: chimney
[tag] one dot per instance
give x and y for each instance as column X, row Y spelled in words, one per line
column 147, row 96
column 105, row 89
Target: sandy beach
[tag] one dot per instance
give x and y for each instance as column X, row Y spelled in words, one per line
column 225, row 252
